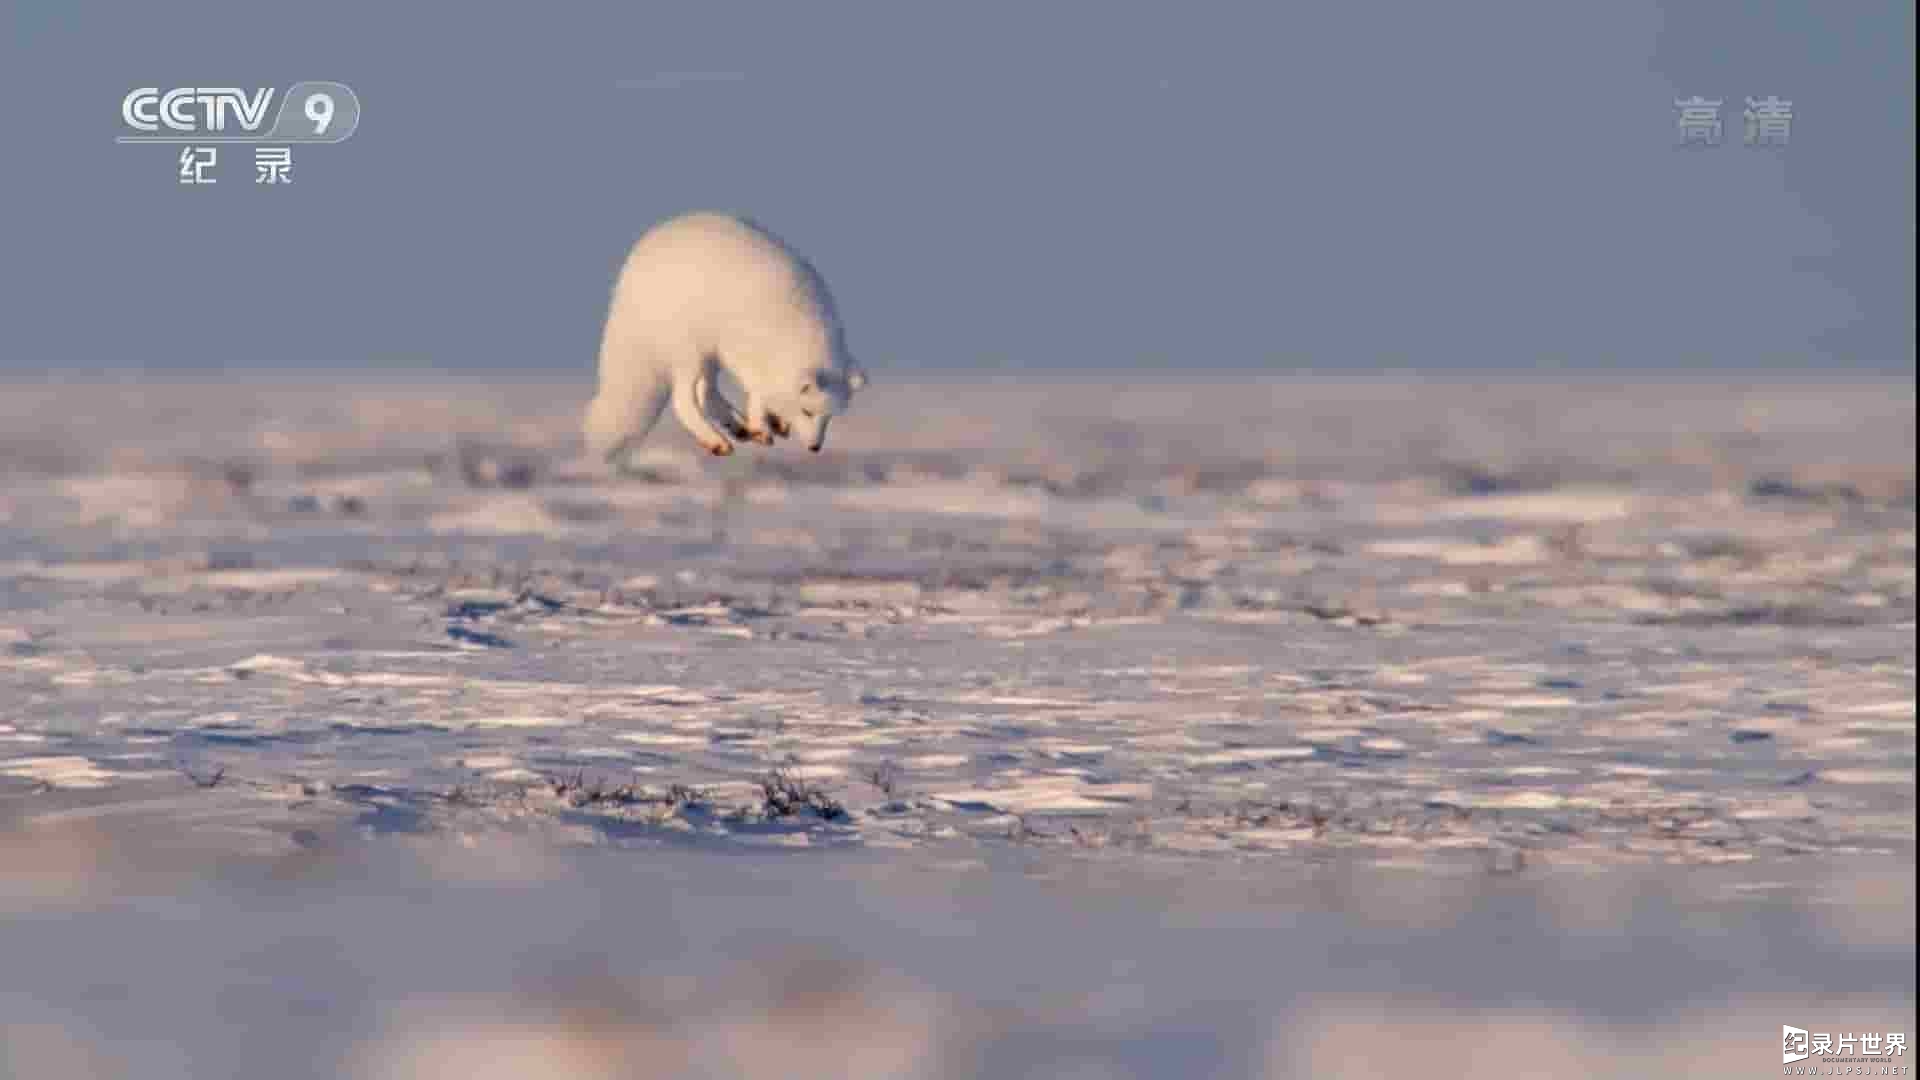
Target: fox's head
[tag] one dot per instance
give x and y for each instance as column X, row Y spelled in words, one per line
column 814, row 399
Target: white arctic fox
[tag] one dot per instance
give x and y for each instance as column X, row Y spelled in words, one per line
column 705, row 291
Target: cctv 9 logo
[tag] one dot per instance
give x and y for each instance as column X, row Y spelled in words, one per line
column 309, row 112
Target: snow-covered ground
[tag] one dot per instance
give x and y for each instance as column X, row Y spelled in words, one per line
column 1236, row 727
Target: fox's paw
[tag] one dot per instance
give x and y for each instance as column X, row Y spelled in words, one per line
column 718, row 449
column 738, row 429
column 764, row 438
column 780, row 427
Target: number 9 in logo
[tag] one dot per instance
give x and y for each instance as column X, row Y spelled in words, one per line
column 319, row 109
column 316, row 112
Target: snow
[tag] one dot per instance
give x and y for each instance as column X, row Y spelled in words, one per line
column 1115, row 712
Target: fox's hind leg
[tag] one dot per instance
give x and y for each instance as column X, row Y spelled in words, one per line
column 620, row 418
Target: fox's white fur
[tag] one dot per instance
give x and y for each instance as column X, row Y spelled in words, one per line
column 706, row 291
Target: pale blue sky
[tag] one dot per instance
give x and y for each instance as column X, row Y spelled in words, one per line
column 988, row 184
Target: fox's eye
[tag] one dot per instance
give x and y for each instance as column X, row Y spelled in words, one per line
column 808, row 388
column 808, row 413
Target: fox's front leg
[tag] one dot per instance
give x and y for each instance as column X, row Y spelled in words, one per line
column 720, row 410
column 690, row 405
column 762, row 425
